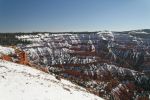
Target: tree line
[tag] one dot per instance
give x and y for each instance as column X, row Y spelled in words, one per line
column 9, row 39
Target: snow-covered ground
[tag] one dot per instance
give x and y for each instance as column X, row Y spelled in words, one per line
column 6, row 50
column 19, row 82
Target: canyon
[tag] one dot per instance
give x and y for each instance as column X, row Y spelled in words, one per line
column 112, row 65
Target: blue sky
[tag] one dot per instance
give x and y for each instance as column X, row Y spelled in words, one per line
column 73, row 15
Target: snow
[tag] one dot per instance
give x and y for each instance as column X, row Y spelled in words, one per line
column 138, row 32
column 6, row 50
column 19, row 82
column 106, row 35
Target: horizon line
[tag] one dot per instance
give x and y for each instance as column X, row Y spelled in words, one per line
column 70, row 31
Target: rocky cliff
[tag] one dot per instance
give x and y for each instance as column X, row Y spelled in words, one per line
column 97, row 61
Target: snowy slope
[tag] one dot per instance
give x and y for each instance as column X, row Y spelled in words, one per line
column 19, row 82
column 6, row 50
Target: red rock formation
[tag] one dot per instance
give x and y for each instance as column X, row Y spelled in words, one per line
column 123, row 92
column 6, row 57
column 23, row 58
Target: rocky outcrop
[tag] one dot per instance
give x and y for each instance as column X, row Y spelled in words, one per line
column 106, row 63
